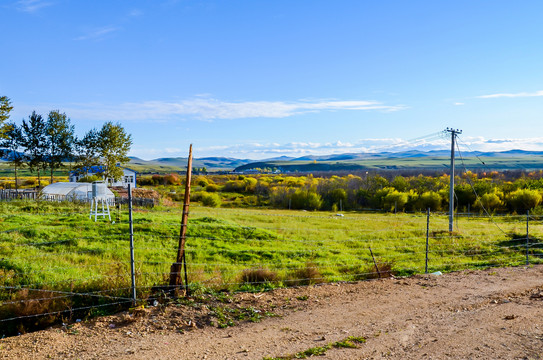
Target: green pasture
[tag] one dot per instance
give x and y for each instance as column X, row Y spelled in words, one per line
column 56, row 246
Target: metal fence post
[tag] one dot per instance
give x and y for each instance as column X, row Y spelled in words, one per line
column 527, row 236
column 427, row 238
column 131, row 227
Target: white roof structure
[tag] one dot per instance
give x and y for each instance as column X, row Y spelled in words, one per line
column 72, row 191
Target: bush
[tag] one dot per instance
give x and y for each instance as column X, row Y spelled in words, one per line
column 212, row 188
column 211, row 200
column 307, row 275
column 489, row 201
column 524, row 199
column 258, row 276
column 89, row 179
column 201, row 181
column 171, row 179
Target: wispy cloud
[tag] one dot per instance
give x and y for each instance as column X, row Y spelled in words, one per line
column 32, row 6
column 512, row 95
column 210, row 109
column 99, row 33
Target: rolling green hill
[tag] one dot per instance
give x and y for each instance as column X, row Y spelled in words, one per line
column 164, row 165
column 412, row 160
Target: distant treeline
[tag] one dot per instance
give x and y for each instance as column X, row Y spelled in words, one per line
column 493, row 191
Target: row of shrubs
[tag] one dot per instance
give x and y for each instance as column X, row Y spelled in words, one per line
column 489, row 192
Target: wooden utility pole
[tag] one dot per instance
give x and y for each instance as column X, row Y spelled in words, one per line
column 175, row 270
column 454, row 133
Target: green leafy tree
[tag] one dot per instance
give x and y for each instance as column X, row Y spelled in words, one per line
column 12, row 143
column 114, row 145
column 400, row 183
column 34, row 143
column 5, row 109
column 337, row 196
column 306, row 199
column 87, row 150
column 430, row 199
column 465, row 195
column 395, row 200
column 60, row 140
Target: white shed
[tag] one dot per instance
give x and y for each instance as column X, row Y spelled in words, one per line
column 60, row 191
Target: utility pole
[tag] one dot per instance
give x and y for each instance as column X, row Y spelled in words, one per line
column 454, row 133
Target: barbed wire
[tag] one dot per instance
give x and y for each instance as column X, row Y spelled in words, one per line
column 71, row 310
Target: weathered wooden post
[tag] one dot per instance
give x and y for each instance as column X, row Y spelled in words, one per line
column 175, row 270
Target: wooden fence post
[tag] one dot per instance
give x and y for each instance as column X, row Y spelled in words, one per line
column 175, row 269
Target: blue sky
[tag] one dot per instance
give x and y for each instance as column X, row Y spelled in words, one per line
column 256, row 79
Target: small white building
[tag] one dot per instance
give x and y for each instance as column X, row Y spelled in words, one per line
column 129, row 177
column 70, row 191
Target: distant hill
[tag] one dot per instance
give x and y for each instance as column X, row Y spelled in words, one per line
column 408, row 160
column 180, row 164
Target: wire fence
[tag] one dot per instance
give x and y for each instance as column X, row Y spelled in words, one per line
column 32, row 194
column 61, row 266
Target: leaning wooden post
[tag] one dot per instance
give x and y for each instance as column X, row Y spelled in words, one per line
column 427, row 238
column 175, row 270
column 375, row 263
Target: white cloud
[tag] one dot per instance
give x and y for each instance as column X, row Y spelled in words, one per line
column 210, row 109
column 98, row 33
column 298, row 149
column 483, row 144
column 262, row 150
column 513, row 95
column 458, row 103
column 32, row 6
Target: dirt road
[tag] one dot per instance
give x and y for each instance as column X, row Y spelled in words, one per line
column 490, row 314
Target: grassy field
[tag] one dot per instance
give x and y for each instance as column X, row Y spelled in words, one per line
column 54, row 260
column 57, row 246
column 438, row 163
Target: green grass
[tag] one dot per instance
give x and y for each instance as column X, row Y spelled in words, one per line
column 56, row 246
column 352, row 342
column 49, row 246
column 510, row 162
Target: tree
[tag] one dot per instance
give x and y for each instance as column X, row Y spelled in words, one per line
column 5, row 109
column 34, row 143
column 88, row 150
column 395, row 200
column 430, row 199
column 12, row 143
column 114, row 145
column 59, row 138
